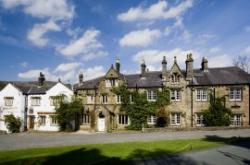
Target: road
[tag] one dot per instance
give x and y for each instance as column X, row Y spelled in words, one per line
column 35, row 140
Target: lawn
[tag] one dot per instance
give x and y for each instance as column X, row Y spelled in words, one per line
column 113, row 153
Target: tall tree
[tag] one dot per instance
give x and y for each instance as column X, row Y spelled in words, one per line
column 242, row 62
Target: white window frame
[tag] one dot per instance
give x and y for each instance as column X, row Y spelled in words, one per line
column 175, row 118
column 151, row 95
column 104, row 98
column 151, row 120
column 199, row 120
column 42, row 119
column 90, row 99
column 123, row 119
column 53, row 120
column 8, row 101
column 35, row 101
column 175, row 95
column 175, row 78
column 236, row 120
column 201, row 94
column 118, row 99
column 235, row 94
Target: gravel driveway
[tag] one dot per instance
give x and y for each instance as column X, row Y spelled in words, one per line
column 34, row 140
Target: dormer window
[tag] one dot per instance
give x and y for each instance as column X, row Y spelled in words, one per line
column 175, row 78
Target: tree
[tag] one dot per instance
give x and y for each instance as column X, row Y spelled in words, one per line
column 13, row 123
column 217, row 114
column 67, row 113
column 242, row 62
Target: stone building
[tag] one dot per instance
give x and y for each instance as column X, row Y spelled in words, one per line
column 190, row 90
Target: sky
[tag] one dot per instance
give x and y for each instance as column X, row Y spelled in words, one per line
column 63, row 38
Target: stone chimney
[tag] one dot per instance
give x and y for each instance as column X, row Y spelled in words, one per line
column 204, row 64
column 41, row 79
column 143, row 67
column 164, row 65
column 117, row 65
column 80, row 78
column 189, row 67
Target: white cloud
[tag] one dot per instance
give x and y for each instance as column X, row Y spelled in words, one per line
column 86, row 43
column 65, row 67
column 158, row 10
column 93, row 72
column 140, row 37
column 34, row 74
column 204, row 38
column 219, row 61
column 247, row 50
column 53, row 9
column 94, row 55
column 214, row 49
column 24, row 64
column 247, row 28
column 36, row 34
column 153, row 58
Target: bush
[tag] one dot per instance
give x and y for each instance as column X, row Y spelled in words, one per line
column 67, row 113
column 217, row 114
column 13, row 123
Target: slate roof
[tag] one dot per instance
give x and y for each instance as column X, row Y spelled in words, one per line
column 221, row 76
column 32, row 87
column 214, row 76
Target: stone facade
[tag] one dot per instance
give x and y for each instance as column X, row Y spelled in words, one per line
column 190, row 90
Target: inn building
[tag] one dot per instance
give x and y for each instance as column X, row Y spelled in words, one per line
column 189, row 88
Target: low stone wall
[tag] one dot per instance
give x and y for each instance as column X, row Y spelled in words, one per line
column 168, row 129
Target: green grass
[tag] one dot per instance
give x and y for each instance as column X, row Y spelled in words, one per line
column 113, row 153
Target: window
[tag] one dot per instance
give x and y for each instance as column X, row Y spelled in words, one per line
column 118, row 99
column 201, row 95
column 235, row 94
column 85, row 118
column 123, row 119
column 236, row 120
column 35, row 101
column 175, row 95
column 152, row 95
column 104, row 98
column 199, row 120
column 152, row 119
column 53, row 120
column 8, row 101
column 54, row 101
column 175, row 118
column 175, row 78
column 90, row 99
column 110, row 83
column 42, row 120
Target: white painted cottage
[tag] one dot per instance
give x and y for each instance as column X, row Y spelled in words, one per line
column 34, row 102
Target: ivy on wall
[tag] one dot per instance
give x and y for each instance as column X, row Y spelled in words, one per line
column 138, row 108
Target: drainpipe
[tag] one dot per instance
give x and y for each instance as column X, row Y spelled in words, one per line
column 192, row 104
column 249, row 104
column 25, row 112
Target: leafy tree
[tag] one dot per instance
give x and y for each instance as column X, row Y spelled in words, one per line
column 13, row 123
column 217, row 114
column 67, row 113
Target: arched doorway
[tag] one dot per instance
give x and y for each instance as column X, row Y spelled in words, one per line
column 101, row 122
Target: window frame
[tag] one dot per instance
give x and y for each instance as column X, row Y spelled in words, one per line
column 235, row 121
column 9, row 101
column 233, row 94
column 123, row 119
column 42, row 122
column 151, row 95
column 201, row 94
column 176, row 94
column 104, row 98
column 175, row 118
column 53, row 120
column 151, row 120
column 35, row 103
column 199, row 117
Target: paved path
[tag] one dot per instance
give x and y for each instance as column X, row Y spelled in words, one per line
column 238, row 154
column 33, row 140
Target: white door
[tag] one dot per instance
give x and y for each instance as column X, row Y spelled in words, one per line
column 101, row 124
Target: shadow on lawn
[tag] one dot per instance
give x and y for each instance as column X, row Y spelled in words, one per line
column 95, row 157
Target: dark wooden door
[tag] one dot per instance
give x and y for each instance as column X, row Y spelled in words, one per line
column 31, row 122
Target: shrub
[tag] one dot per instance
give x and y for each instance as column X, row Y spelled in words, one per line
column 13, row 123
column 67, row 113
column 217, row 114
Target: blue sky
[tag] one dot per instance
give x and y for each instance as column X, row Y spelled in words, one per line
column 65, row 37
